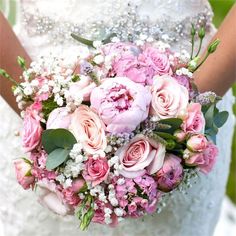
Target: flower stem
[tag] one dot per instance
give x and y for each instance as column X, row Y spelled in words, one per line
column 4, row 74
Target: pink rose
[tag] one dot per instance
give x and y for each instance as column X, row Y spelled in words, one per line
column 180, row 135
column 51, row 198
column 157, row 63
column 206, row 160
column 194, row 122
column 96, row 170
column 59, row 118
column 197, row 143
column 171, row 174
column 23, row 173
column 139, row 156
column 82, row 88
column 169, row 98
column 32, row 129
column 121, row 104
column 89, row 130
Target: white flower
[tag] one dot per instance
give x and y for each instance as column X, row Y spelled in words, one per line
column 28, row 90
column 97, row 44
column 119, row 211
column 59, row 101
column 99, row 59
column 120, row 181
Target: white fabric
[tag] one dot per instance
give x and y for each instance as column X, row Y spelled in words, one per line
column 193, row 214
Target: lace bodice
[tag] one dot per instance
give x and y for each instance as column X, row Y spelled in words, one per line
column 45, row 26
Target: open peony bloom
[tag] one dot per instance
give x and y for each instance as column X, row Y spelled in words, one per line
column 23, row 173
column 89, row 130
column 121, row 104
column 59, row 118
column 140, row 156
column 205, row 160
column 51, row 197
column 169, row 98
column 171, row 174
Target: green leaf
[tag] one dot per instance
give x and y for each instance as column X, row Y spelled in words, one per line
column 82, row 40
column 165, row 135
column 108, row 38
column 209, row 116
column 56, row 158
column 48, row 106
column 220, row 118
column 174, row 123
column 57, row 138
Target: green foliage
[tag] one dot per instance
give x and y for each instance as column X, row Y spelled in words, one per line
column 174, row 124
column 48, row 106
column 58, row 144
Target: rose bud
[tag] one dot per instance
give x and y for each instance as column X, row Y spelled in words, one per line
column 171, row 174
column 23, row 173
column 197, row 143
column 180, row 135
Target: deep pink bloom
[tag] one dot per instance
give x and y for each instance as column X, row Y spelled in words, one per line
column 96, row 170
column 171, row 174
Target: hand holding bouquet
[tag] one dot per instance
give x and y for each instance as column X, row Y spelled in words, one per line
column 112, row 132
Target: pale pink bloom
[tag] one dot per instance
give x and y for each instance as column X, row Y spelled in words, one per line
column 88, row 129
column 194, row 122
column 82, row 88
column 169, row 98
column 32, row 129
column 171, row 174
column 141, row 155
column 180, row 135
column 51, row 198
column 59, row 118
column 197, row 143
column 23, row 173
column 96, row 170
column 121, row 104
column 206, row 160
column 184, row 81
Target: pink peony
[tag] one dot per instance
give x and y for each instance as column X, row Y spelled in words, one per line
column 23, row 173
column 51, row 198
column 139, row 156
column 194, row 122
column 59, row 118
column 121, row 104
column 82, row 88
column 89, row 130
column 197, row 143
column 32, row 129
column 169, row 98
column 206, row 160
column 96, row 170
column 171, row 174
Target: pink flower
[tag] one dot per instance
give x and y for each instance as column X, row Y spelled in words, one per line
column 206, row 160
column 32, row 129
column 89, row 130
column 59, row 118
column 169, row 98
column 96, row 170
column 171, row 174
column 51, row 198
column 180, row 135
column 99, row 214
column 194, row 122
column 121, row 104
column 82, row 88
column 197, row 143
column 23, row 173
column 139, row 156
column 157, row 63
column 184, row 81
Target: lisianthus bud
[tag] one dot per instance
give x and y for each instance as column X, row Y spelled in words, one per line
column 192, row 65
column 171, row 174
column 201, row 33
column 213, row 46
column 23, row 173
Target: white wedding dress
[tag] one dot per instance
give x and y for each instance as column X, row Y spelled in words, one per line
column 45, row 26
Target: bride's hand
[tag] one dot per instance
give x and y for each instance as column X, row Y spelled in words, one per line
column 218, row 73
column 10, row 48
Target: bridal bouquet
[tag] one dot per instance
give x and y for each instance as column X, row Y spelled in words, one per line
column 112, row 131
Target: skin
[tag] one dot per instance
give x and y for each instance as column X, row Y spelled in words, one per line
column 217, row 74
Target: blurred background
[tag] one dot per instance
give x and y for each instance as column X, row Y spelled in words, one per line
column 220, row 8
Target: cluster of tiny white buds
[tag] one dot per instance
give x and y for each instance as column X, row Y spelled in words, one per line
column 81, row 196
column 108, row 149
column 107, row 215
column 112, row 195
column 97, row 44
column 184, row 71
column 115, row 40
column 162, row 46
column 99, row 59
column 61, row 179
column 120, row 181
column 119, row 212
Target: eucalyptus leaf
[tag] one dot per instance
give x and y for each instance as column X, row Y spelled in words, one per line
column 57, row 138
column 220, row 118
column 209, row 116
column 56, row 158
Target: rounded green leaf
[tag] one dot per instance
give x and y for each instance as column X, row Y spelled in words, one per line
column 56, row 158
column 221, row 118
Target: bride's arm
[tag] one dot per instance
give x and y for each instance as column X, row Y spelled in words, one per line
column 218, row 73
column 10, row 48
